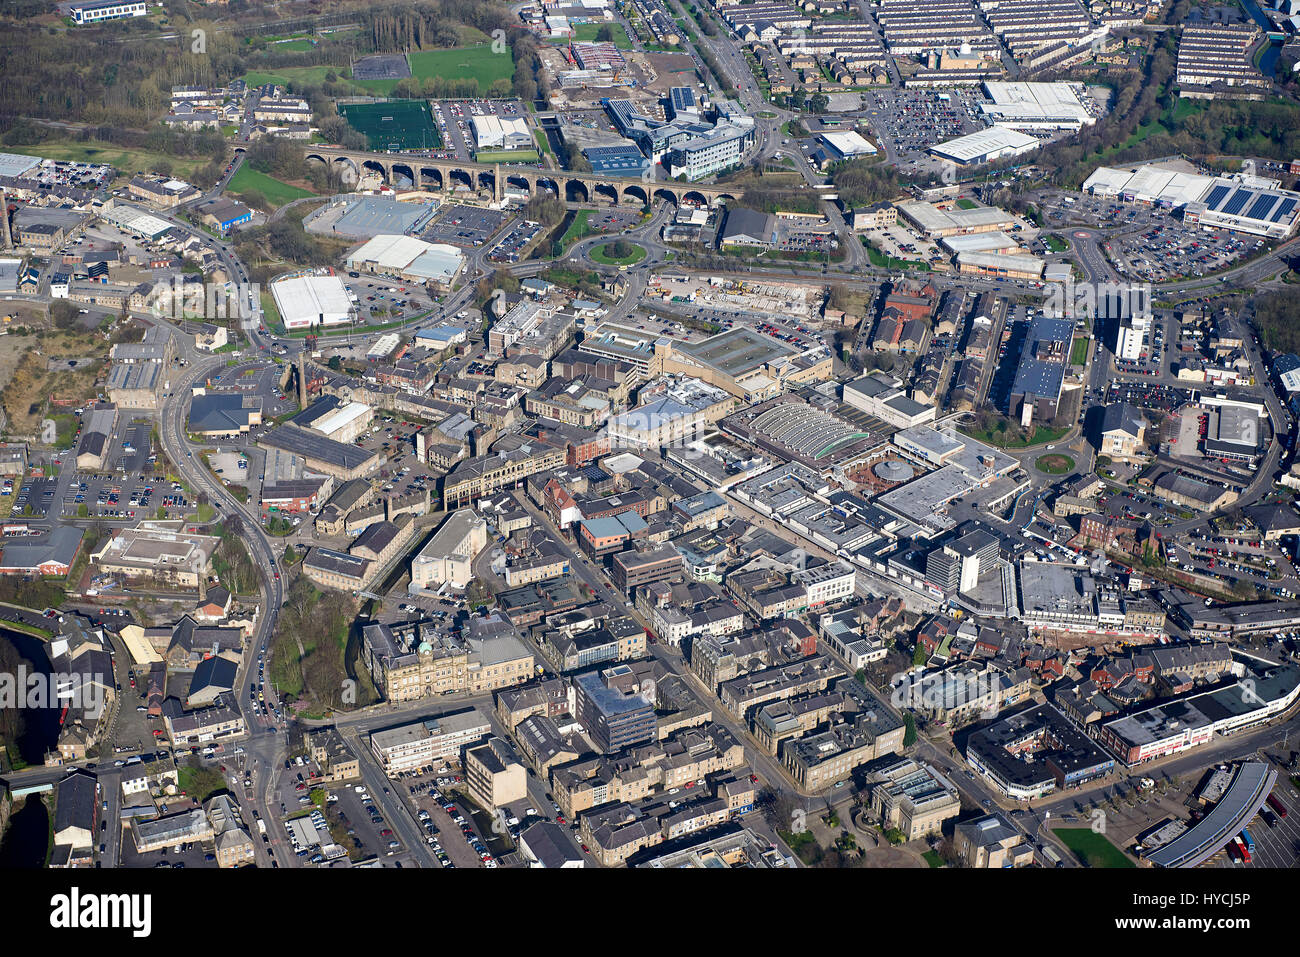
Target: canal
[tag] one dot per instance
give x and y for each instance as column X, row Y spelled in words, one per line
column 1268, row 61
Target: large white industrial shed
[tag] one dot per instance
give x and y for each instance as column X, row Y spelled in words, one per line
column 985, row 146
column 1149, row 184
column 1044, row 106
column 409, row 258
column 501, row 132
column 304, row 301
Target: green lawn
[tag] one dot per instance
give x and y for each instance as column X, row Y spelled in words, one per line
column 599, row 255
column 506, row 156
column 250, row 182
column 478, row 62
column 543, row 143
column 577, row 229
column 1056, row 244
column 933, row 859
column 1093, row 848
column 1079, row 352
column 316, row 76
column 285, row 75
column 881, row 261
column 966, row 203
column 270, row 314
column 1041, row 434
column 301, row 45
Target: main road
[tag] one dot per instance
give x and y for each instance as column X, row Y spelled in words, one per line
column 265, row 748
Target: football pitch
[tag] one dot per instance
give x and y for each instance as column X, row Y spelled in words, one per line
column 394, row 125
column 479, row 63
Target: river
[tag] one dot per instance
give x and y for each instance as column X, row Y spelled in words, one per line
column 37, row 730
column 27, row 838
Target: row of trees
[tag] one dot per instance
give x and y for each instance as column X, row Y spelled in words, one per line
column 231, row 561
column 432, row 23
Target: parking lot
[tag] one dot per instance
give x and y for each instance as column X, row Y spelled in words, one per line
column 1153, row 395
column 453, row 119
column 1231, row 559
column 1171, row 250
column 902, row 243
column 388, row 300
column 257, row 377
column 1277, row 838
column 511, row 247
column 912, row 121
column 1153, row 359
column 1150, row 244
column 133, row 491
column 465, row 226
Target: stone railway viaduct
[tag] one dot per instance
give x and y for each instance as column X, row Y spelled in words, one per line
column 450, row 175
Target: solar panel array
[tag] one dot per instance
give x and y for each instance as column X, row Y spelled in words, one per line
column 1252, row 204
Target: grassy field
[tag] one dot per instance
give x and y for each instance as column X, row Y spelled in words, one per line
column 586, row 33
column 478, row 62
column 120, row 158
column 270, row 313
column 317, row 76
column 285, row 75
column 300, row 45
column 1093, row 848
column 966, row 204
column 1056, row 244
column 506, row 156
column 249, row 182
column 543, row 143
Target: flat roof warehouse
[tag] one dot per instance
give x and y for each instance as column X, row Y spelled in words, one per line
column 309, row 300
column 992, row 143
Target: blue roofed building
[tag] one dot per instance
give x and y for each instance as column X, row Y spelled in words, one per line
column 616, row 160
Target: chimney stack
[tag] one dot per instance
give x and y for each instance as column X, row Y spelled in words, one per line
column 302, row 378
column 5, row 237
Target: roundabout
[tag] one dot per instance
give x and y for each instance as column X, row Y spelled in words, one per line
column 618, row 252
column 1054, row 463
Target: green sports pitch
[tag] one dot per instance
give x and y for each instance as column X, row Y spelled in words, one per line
column 394, row 125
